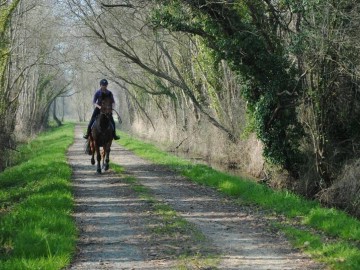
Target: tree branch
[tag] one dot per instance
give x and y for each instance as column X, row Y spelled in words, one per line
column 117, row 5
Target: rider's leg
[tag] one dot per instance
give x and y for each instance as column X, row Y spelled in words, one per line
column 93, row 117
column 116, row 137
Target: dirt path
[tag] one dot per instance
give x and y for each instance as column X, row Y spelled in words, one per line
column 114, row 222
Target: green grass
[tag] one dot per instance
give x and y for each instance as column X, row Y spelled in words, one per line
column 339, row 254
column 36, row 227
column 330, row 222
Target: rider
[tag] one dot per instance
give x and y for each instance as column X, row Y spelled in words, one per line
column 97, row 102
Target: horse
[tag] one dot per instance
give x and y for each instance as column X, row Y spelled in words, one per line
column 102, row 135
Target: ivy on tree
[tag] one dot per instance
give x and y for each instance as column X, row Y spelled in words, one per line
column 237, row 33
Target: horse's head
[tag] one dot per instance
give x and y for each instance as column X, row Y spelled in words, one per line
column 106, row 105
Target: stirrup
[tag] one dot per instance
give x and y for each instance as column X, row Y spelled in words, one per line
column 116, row 137
column 86, row 136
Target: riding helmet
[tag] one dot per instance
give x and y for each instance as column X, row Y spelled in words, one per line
column 104, row 82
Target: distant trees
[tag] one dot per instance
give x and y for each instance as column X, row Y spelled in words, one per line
column 176, row 65
column 139, row 46
column 43, row 57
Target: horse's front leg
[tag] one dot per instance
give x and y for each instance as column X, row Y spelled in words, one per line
column 98, row 157
column 103, row 157
column 107, row 159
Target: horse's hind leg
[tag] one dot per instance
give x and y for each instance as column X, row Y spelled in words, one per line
column 92, row 159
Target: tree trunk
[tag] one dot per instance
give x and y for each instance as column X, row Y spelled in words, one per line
column 58, row 122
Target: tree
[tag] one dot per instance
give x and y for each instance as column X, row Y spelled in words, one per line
column 7, row 99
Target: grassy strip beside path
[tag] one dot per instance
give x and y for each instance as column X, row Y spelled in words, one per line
column 36, row 227
column 330, row 235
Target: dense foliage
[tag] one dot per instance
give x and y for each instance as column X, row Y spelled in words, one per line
column 243, row 35
column 297, row 68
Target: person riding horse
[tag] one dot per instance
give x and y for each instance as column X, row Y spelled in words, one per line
column 97, row 102
column 101, row 136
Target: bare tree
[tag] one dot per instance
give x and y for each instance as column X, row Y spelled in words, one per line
column 40, row 53
column 8, row 103
column 139, row 45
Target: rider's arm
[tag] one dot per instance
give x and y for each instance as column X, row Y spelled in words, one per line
column 113, row 100
column 95, row 100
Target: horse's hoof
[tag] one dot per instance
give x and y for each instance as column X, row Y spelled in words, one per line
column 92, row 162
column 98, row 171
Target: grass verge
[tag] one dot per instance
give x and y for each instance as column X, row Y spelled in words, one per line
column 332, row 236
column 36, row 227
column 171, row 236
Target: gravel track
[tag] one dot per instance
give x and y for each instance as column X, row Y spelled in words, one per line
column 113, row 222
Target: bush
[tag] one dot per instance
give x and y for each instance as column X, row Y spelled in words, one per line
column 345, row 192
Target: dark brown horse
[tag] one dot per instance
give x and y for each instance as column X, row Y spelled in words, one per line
column 102, row 135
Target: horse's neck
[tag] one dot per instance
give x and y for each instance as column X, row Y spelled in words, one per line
column 104, row 121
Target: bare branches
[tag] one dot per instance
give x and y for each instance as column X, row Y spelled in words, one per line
column 117, row 5
column 145, row 48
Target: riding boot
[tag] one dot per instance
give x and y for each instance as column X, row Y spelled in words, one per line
column 92, row 120
column 116, row 137
column 86, row 136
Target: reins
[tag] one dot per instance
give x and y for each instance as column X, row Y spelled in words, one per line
column 118, row 115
